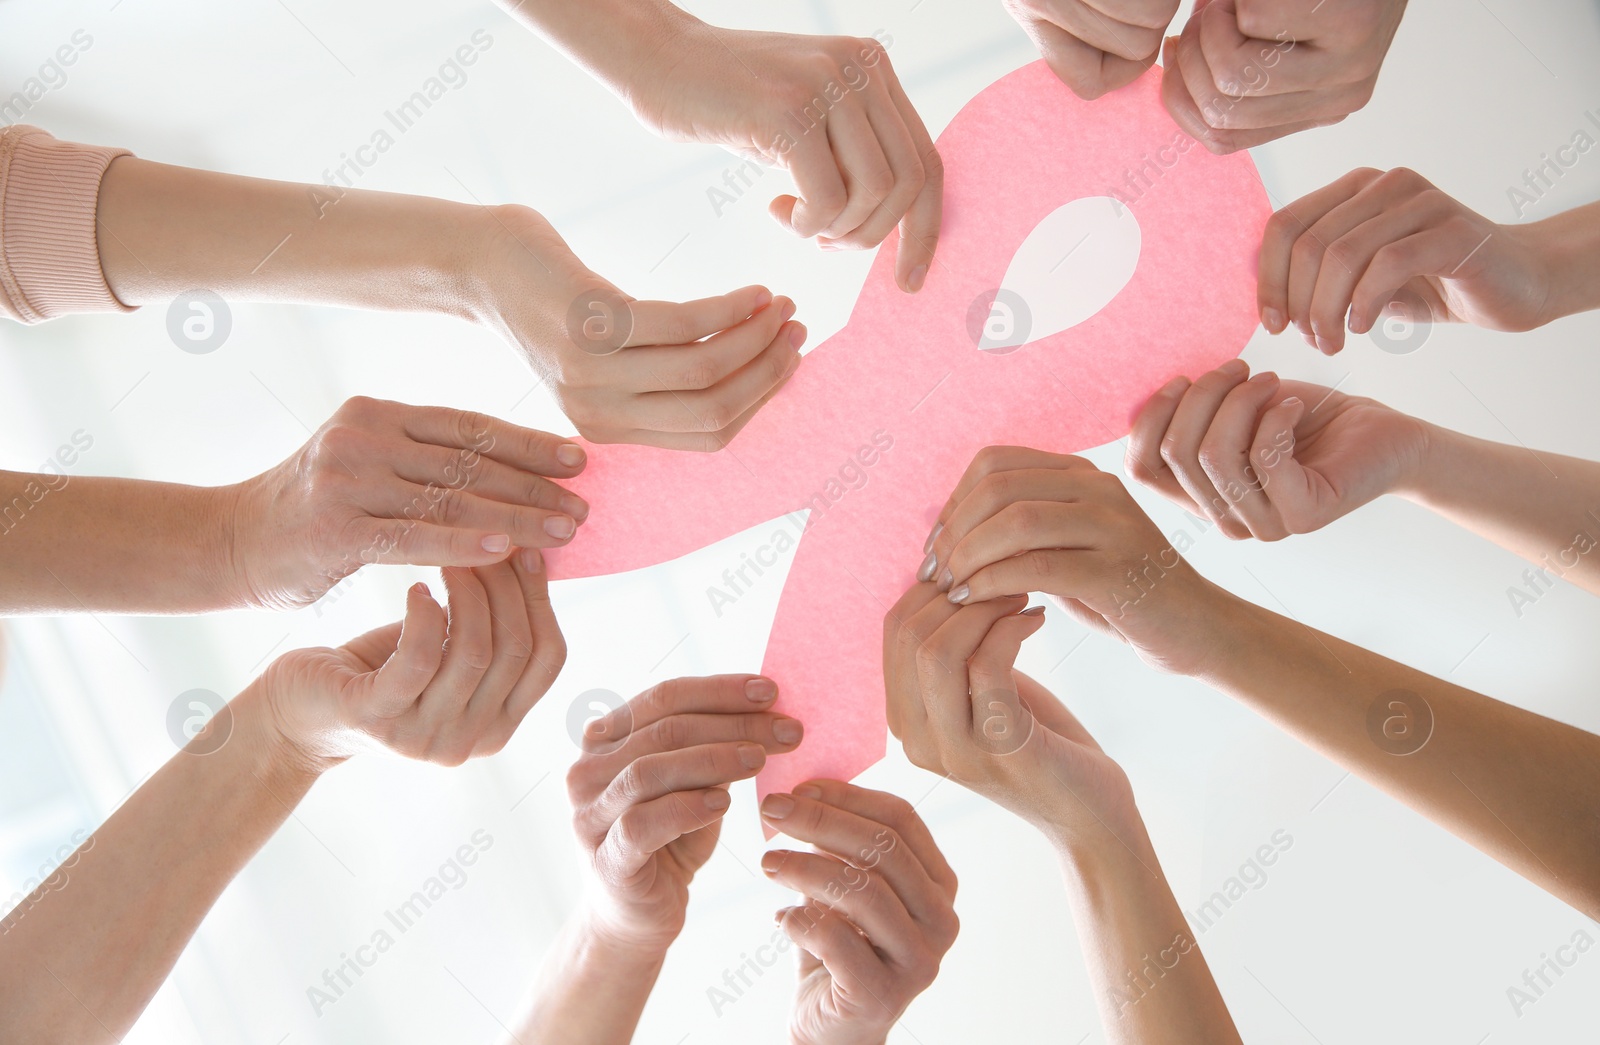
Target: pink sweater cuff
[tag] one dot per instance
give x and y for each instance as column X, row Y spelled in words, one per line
column 49, row 258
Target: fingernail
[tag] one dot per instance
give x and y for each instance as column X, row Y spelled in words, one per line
column 915, row 280
column 763, row 299
column 797, row 335
column 1358, row 323
column 419, row 588
column 1263, row 378
column 776, row 807
column 1291, row 400
column 1273, row 320
column 559, row 526
column 770, row 862
column 760, row 690
column 532, row 561
column 570, row 454
column 1173, row 387
column 946, row 578
column 788, row 311
column 1032, row 611
column 925, row 572
column 811, row 791
column 960, row 594
column 575, row 506
column 752, row 756
column 787, row 731
column 927, row 545
column 777, row 916
column 496, row 543
column 717, row 799
column 831, row 248
column 1235, row 366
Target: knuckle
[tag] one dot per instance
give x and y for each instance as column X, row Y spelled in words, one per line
column 670, row 733
column 699, row 374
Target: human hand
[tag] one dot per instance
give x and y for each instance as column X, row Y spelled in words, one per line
column 1377, row 243
column 392, row 483
column 1095, row 46
column 650, row 790
column 683, row 376
column 1024, row 520
column 829, row 110
column 1245, row 72
column 879, row 910
column 436, row 687
column 961, row 709
column 1265, row 458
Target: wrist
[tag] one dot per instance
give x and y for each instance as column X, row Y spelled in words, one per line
column 223, row 546
column 278, row 761
column 1566, row 249
column 1439, row 452
column 600, row 936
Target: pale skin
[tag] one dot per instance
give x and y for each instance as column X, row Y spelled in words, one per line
column 679, row 375
column 649, row 794
column 1246, row 72
column 1522, row 788
column 380, row 482
column 1378, row 243
column 1266, row 458
column 82, row 956
column 961, row 709
column 1240, row 74
column 829, row 110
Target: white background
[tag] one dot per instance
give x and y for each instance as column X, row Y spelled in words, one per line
column 1374, row 927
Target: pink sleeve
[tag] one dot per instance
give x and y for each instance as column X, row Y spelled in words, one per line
column 49, row 259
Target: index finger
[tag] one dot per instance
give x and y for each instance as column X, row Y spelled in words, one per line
column 653, row 323
column 993, row 459
column 891, row 811
column 715, row 694
column 474, row 433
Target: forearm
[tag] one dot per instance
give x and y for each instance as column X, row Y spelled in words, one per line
column 1151, row 982
column 1544, row 507
column 592, row 989
column 164, row 230
column 614, row 40
column 74, row 543
column 1569, row 243
column 1521, row 787
column 83, row 955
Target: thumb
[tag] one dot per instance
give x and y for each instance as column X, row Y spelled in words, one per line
column 1000, row 721
column 396, row 685
column 1284, row 480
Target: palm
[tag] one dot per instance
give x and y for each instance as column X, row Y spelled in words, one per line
column 1350, row 451
column 662, row 884
column 326, row 680
column 823, row 1009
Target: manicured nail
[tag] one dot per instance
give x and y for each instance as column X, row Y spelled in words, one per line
column 1358, row 323
column 560, row 527
column 946, row 578
column 532, row 561
column 788, row 312
column 752, row 756
column 1290, row 401
column 1032, row 611
column 570, row 454
column 575, row 506
column 717, row 799
column 797, row 335
column 763, row 299
column 496, row 543
column 811, row 791
column 918, row 276
column 960, row 594
column 925, row 572
column 1174, row 387
column 776, row 807
column 760, row 690
column 777, row 916
column 770, row 863
column 1273, row 320
column 1264, row 378
column 1235, row 366
column 419, row 588
column 927, row 545
column 831, row 248
column 787, row 731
